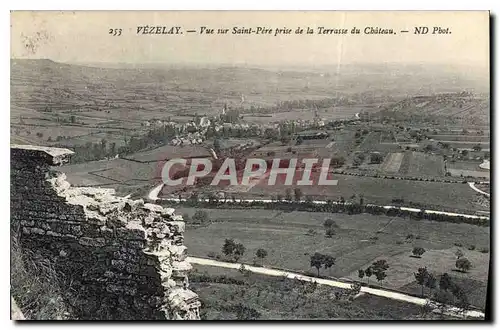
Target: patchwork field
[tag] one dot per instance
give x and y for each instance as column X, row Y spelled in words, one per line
column 373, row 142
column 423, row 164
column 392, row 162
column 291, row 238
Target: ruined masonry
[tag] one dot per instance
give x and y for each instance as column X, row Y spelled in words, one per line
column 123, row 258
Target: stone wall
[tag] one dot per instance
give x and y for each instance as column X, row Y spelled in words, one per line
column 124, row 259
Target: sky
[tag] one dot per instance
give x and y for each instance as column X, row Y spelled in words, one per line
column 83, row 36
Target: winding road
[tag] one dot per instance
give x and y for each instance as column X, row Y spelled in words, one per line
column 449, row 310
column 473, row 186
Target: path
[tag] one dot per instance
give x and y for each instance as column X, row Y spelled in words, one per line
column 153, row 195
column 473, row 186
column 450, row 310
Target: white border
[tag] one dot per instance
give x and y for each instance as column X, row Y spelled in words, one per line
column 492, row 5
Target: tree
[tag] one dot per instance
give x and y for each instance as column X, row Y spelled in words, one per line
column 238, row 251
column 330, row 223
column 261, row 254
column 445, row 282
column 368, row 273
column 379, row 267
column 462, row 300
column 430, row 282
column 463, row 264
column 376, row 158
column 228, row 247
column 337, row 161
column 444, row 299
column 298, row 194
column 112, row 148
column 317, row 261
column 459, row 254
column 428, row 148
column 361, row 273
column 380, row 275
column 201, row 217
column 288, row 195
column 418, row 251
column 329, row 232
column 328, row 261
column 358, row 159
column 421, row 276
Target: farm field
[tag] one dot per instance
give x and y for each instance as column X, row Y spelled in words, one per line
column 432, row 195
column 121, row 174
column 392, row 162
column 372, row 142
column 425, row 165
column 358, row 241
column 170, row 152
column 467, row 168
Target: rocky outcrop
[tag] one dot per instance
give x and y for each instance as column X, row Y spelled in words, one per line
column 125, row 258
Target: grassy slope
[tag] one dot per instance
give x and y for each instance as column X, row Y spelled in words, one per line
column 275, row 298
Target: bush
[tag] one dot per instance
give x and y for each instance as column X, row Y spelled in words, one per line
column 463, row 264
column 484, row 250
column 212, row 255
column 458, row 244
column 472, row 247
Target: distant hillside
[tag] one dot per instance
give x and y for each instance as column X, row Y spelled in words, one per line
column 45, row 84
column 468, row 107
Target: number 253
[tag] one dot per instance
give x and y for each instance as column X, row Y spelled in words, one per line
column 115, row 32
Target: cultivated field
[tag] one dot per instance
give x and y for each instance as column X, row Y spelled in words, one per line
column 432, row 195
column 392, row 162
column 424, row 165
column 358, row 241
column 467, row 168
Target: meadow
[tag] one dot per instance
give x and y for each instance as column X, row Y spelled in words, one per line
column 291, row 238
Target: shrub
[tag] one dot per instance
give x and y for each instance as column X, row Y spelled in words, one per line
column 212, row 254
column 484, row 250
column 472, row 247
column 463, row 264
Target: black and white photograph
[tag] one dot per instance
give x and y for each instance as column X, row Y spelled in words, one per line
column 250, row 165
